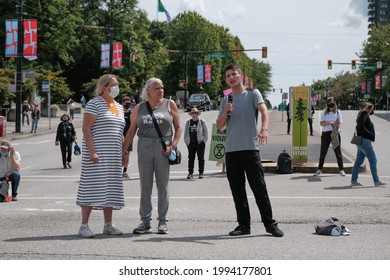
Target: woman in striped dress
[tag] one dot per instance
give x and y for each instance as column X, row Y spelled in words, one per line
column 101, row 185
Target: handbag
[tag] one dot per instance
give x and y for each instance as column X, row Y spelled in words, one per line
column 177, row 159
column 357, row 140
column 77, row 150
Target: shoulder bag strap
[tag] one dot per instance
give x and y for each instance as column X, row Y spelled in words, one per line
column 161, row 138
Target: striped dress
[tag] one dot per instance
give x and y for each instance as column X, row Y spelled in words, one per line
column 101, row 185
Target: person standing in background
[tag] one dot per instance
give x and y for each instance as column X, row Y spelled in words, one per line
column 126, row 103
column 330, row 121
column 25, row 112
column 35, row 116
column 65, row 136
column 310, row 119
column 365, row 128
column 195, row 137
column 288, row 118
column 71, row 108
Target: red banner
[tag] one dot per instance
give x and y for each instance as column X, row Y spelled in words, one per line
column 117, row 55
column 30, row 39
column 207, row 73
column 378, row 82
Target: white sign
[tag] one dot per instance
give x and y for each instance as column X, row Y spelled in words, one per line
column 45, row 86
column 12, row 88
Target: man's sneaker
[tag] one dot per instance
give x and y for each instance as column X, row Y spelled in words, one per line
column 318, row 173
column 379, row 183
column 240, row 230
column 274, row 230
column 109, row 229
column 355, row 183
column 125, row 175
column 342, row 172
column 84, row 231
column 143, row 228
column 162, row 228
column 200, row 175
column 190, row 176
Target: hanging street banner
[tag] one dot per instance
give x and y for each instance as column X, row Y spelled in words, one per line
column 207, row 73
column 200, row 73
column 30, row 38
column 117, row 55
column 105, row 56
column 217, row 145
column 300, row 111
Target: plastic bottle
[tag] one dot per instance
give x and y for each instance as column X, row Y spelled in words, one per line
column 9, row 196
column 172, row 156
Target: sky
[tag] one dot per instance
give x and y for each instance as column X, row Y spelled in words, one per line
column 301, row 35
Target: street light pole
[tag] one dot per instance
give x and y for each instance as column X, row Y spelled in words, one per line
column 19, row 58
column 111, row 38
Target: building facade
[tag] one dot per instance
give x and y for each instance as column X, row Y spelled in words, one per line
column 378, row 13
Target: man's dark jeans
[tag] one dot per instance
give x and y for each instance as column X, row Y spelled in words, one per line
column 239, row 164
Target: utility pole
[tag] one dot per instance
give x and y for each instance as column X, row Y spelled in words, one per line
column 111, row 37
column 19, row 58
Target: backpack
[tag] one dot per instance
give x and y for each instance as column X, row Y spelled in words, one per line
column 3, row 191
column 284, row 165
column 331, row 226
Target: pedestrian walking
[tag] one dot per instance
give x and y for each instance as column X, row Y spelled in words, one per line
column 365, row 128
column 65, row 136
column 238, row 112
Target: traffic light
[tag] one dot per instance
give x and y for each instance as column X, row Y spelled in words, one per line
column 264, row 51
column 353, row 64
column 329, row 64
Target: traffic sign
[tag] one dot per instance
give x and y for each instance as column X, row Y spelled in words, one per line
column 367, row 67
column 45, row 86
column 220, row 55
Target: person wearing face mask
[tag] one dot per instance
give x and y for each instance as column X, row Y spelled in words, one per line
column 126, row 103
column 65, row 136
column 365, row 128
column 101, row 183
column 330, row 121
column 195, row 137
column 10, row 166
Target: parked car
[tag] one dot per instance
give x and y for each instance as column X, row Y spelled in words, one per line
column 201, row 101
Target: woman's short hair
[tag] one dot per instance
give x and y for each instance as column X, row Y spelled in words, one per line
column 144, row 95
column 65, row 115
column 103, row 82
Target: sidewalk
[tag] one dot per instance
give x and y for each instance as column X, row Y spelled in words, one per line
column 279, row 141
column 45, row 125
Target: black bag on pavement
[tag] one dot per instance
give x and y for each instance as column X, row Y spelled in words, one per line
column 331, row 226
column 284, row 165
column 3, row 191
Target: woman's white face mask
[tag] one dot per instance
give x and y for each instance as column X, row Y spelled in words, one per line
column 114, row 91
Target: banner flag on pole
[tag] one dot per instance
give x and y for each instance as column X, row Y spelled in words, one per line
column 117, row 55
column 105, row 56
column 200, row 73
column 30, row 39
column 207, row 73
column 161, row 9
column 11, row 38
